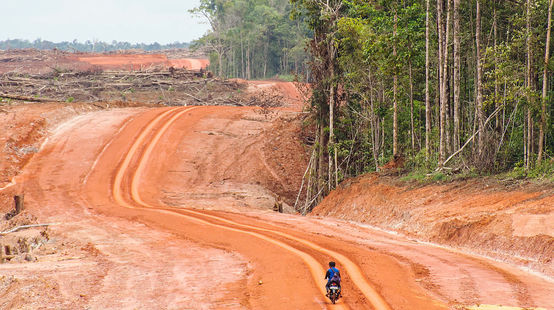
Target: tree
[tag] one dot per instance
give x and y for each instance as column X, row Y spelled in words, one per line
column 456, row 84
column 253, row 38
column 427, row 99
column 544, row 85
column 383, row 78
column 479, row 83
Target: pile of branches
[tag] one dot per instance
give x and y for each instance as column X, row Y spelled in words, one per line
column 160, row 86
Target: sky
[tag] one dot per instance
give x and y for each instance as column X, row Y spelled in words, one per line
column 135, row 21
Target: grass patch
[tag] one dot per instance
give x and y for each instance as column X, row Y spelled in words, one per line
column 287, row 77
column 542, row 172
column 415, row 176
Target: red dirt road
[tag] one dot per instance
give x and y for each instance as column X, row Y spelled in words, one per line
column 168, row 208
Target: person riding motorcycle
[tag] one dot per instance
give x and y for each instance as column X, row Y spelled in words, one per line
column 332, row 275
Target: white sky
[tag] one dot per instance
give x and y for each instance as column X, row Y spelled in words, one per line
column 135, row 21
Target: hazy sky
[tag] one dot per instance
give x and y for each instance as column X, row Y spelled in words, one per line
column 162, row 21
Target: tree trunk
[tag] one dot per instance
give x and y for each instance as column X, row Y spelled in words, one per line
column 456, row 84
column 248, row 67
column 265, row 57
column 412, row 105
column 442, row 78
column 445, row 76
column 374, row 124
column 321, row 159
column 496, row 61
column 331, row 117
column 427, row 99
column 220, row 63
column 529, row 78
column 395, row 95
column 544, row 86
column 479, row 98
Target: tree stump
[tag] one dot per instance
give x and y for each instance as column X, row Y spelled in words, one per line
column 18, row 199
column 278, row 206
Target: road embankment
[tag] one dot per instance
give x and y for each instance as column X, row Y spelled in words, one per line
column 510, row 221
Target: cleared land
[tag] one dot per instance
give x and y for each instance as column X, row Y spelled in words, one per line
column 171, row 207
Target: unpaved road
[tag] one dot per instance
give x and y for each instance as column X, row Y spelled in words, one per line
column 162, row 209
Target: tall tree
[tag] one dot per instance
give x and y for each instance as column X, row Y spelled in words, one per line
column 395, row 88
column 528, row 134
column 544, row 85
column 479, row 82
column 427, row 98
column 443, row 31
column 456, row 84
column 440, row 58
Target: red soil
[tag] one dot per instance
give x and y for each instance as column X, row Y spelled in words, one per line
column 190, row 63
column 138, row 61
column 169, row 208
column 513, row 223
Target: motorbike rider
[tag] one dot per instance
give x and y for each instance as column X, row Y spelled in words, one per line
column 332, row 275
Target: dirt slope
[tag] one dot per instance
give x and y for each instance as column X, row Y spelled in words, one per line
column 513, row 222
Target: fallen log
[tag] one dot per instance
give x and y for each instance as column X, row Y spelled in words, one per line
column 27, row 98
column 25, row 227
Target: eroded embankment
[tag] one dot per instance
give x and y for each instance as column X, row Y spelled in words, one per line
column 512, row 222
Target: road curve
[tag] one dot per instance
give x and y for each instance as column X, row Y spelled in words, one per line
column 113, row 174
column 316, row 269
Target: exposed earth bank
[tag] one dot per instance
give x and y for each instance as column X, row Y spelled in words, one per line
column 508, row 220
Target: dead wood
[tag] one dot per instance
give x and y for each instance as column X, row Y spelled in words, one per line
column 154, row 86
column 27, row 98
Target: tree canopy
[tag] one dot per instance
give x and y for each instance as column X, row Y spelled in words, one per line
column 87, row 46
column 444, row 85
column 253, row 38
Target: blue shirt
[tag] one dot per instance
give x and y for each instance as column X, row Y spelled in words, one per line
column 331, row 272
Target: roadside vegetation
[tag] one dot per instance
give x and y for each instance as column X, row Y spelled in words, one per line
column 430, row 89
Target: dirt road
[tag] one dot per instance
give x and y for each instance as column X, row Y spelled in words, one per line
column 168, row 208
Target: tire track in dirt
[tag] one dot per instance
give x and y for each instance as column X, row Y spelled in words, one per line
column 315, row 268
column 468, row 281
column 117, row 194
column 351, row 268
column 105, row 147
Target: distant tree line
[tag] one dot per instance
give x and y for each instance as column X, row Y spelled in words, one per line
column 87, row 46
column 448, row 85
column 253, row 38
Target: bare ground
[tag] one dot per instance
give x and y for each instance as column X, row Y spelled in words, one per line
column 511, row 221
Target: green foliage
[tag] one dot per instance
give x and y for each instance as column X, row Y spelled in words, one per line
column 253, row 38
column 287, row 77
column 363, row 34
column 70, row 99
column 544, row 171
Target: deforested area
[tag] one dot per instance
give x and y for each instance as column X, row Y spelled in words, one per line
column 155, row 86
column 277, row 154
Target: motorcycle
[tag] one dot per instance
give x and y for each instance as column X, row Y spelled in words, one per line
column 334, row 292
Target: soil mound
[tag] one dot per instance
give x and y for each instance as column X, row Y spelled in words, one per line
column 513, row 222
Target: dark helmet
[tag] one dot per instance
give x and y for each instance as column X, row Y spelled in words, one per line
column 331, row 264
